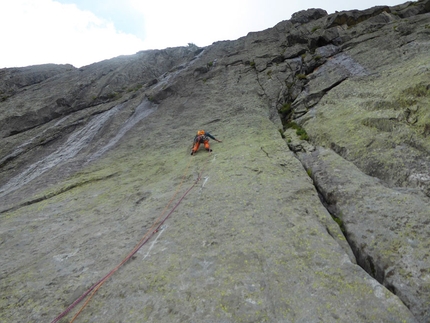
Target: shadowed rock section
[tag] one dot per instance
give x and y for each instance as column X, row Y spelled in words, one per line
column 313, row 208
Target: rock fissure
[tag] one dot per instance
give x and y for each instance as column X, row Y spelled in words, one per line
column 56, row 192
column 362, row 259
column 353, row 208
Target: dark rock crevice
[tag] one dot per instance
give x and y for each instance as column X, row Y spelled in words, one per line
column 58, row 191
column 352, row 197
column 363, row 259
column 328, row 200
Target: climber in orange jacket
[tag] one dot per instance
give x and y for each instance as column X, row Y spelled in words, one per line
column 202, row 137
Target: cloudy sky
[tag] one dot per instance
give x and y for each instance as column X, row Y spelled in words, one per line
column 81, row 32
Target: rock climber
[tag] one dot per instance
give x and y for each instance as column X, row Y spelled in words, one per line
column 202, row 137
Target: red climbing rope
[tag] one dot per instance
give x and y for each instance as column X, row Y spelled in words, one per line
column 154, row 228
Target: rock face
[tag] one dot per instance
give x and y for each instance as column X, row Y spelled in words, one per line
column 314, row 208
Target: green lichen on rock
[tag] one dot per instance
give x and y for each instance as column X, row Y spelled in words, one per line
column 252, row 241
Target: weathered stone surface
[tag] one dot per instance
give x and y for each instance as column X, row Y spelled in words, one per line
column 338, row 68
column 90, row 157
column 13, row 79
column 410, row 9
column 354, row 17
column 389, row 230
column 304, row 16
column 78, row 89
column 382, row 133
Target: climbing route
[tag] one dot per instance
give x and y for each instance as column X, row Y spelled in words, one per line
column 156, row 226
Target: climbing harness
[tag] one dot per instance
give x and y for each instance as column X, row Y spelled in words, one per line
column 154, row 229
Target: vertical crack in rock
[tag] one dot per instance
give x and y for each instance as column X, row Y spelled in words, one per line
column 364, row 260
column 369, row 212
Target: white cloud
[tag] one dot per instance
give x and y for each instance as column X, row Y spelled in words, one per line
column 45, row 31
column 177, row 23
